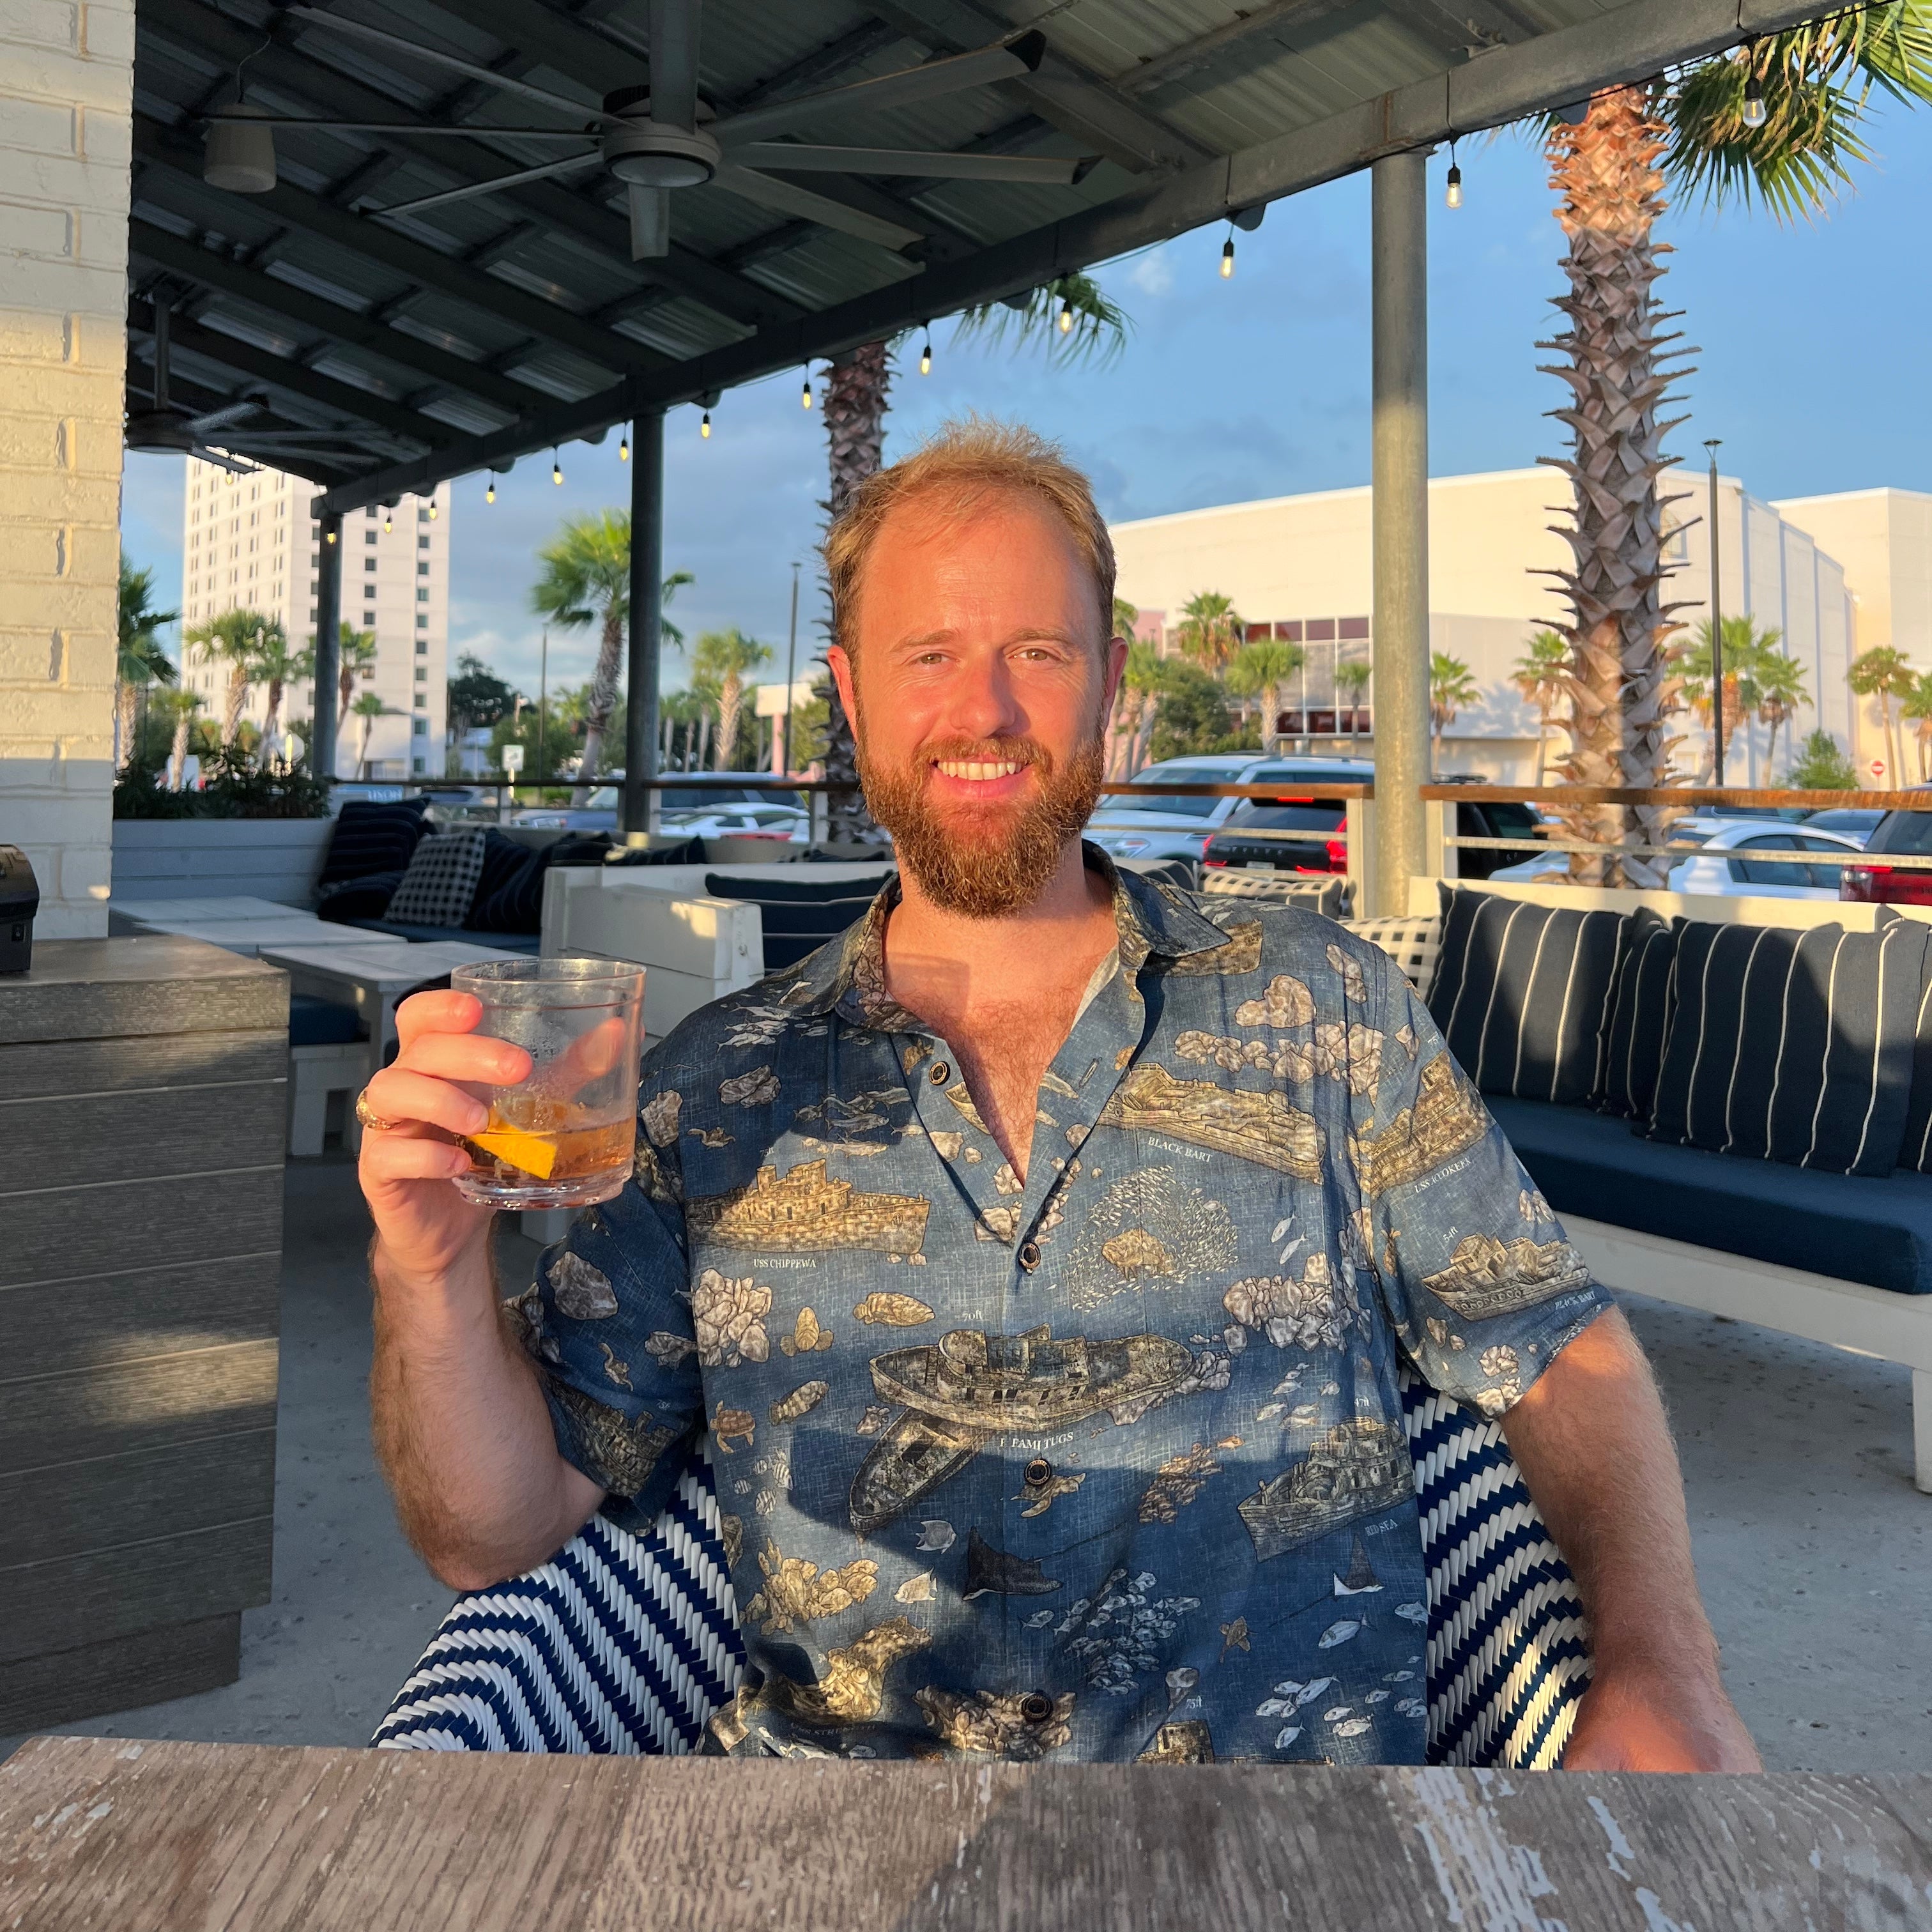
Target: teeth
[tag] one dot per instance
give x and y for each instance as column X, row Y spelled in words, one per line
column 977, row 771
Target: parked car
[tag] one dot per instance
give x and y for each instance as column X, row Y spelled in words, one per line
column 1858, row 822
column 1724, row 863
column 688, row 807
column 1897, row 835
column 1305, row 833
column 1180, row 828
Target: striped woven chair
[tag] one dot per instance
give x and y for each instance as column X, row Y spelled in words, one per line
column 625, row 1645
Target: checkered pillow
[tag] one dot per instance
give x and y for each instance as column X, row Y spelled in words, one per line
column 1329, row 895
column 441, row 881
column 1412, row 943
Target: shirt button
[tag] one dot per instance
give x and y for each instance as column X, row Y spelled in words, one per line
column 940, row 1073
column 1029, row 1256
column 1038, row 1473
column 1036, row 1708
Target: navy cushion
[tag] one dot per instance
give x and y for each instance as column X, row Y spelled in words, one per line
column 359, row 898
column 1636, row 1016
column 1875, row 1229
column 503, row 860
column 371, row 838
column 314, row 1022
column 799, row 915
column 1793, row 1045
column 1520, row 991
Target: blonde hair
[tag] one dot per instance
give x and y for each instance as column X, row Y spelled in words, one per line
column 955, row 471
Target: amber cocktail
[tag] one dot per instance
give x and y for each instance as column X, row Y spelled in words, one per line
column 564, row 1137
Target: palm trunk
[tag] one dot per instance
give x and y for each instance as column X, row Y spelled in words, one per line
column 855, row 427
column 603, row 691
column 730, row 703
column 1619, row 678
column 346, row 684
column 271, row 726
column 177, row 751
column 124, row 725
column 231, row 710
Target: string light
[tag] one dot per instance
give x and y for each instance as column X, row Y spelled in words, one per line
column 332, row 536
column 1754, row 98
column 1066, row 315
column 925, row 354
column 489, row 494
column 555, row 468
column 624, row 447
column 432, row 509
column 1227, row 257
column 704, row 428
column 805, row 391
column 1454, row 196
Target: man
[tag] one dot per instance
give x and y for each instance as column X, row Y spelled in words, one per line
column 1039, row 1257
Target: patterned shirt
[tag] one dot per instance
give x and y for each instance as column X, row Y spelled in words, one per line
column 1107, row 1463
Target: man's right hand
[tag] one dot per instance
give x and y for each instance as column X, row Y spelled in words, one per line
column 425, row 1227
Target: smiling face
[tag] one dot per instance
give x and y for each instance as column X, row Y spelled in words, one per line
column 979, row 684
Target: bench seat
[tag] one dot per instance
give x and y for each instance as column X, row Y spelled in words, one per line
column 1874, row 1230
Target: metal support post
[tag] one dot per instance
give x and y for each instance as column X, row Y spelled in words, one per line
column 640, row 714
column 1717, row 626
column 327, row 645
column 1399, row 474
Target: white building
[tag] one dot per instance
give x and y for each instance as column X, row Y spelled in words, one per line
column 254, row 543
column 1300, row 568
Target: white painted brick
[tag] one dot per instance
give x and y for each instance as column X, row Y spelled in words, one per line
column 39, row 127
column 28, row 231
column 108, row 30
column 30, row 658
column 41, row 23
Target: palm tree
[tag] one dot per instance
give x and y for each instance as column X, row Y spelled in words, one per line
column 1688, row 129
column 368, row 707
column 1211, row 630
column 240, row 639
column 585, row 579
column 855, row 398
column 1693, row 666
column 138, row 659
column 1918, row 707
column 1884, row 674
column 721, row 660
column 1352, row 675
column 1132, row 725
column 277, row 666
column 1260, row 670
column 356, row 653
column 1780, row 687
column 181, row 706
column 1539, row 674
column 1451, row 685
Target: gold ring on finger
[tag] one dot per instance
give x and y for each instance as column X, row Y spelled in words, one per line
column 369, row 1117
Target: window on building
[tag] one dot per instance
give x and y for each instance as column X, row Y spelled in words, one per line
column 422, row 620
column 422, row 595
column 422, row 570
column 422, row 543
column 422, row 516
column 370, row 536
column 418, row 727
column 314, row 612
column 420, row 763
column 369, row 564
column 422, row 647
column 368, row 618
column 422, row 673
column 369, row 511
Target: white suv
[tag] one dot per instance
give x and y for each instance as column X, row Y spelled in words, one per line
column 1180, row 828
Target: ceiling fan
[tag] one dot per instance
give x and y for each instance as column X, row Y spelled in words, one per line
column 659, row 139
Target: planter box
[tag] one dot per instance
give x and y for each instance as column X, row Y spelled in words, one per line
column 195, row 858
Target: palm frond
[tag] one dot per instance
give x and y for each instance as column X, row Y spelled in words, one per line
column 1098, row 325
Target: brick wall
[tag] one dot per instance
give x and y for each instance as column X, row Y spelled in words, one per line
column 66, row 81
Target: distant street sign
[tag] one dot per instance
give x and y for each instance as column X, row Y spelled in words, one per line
column 513, row 759
column 1877, row 767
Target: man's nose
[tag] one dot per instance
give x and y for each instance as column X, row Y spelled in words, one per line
column 981, row 701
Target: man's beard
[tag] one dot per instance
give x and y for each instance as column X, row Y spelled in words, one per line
column 985, row 863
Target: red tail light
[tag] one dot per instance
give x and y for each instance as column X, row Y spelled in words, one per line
column 1338, row 855
column 1221, row 862
column 1885, row 885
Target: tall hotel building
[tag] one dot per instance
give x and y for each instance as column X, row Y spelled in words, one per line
column 254, row 543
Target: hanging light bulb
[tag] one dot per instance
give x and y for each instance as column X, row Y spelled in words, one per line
column 925, row 355
column 389, row 523
column 432, row 509
column 1454, row 196
column 805, row 392
column 1066, row 315
column 489, row 494
column 624, row 447
column 555, row 468
column 1228, row 257
column 332, row 536
column 704, row 428
column 1753, row 100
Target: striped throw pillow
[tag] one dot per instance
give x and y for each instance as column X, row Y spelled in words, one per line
column 1793, row 1045
column 1636, row 1016
column 1519, row 993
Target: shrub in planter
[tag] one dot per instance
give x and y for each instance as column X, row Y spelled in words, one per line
column 235, row 789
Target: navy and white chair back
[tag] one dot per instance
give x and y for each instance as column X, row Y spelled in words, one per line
column 626, row 1645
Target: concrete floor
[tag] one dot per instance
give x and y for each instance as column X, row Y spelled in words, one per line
column 1812, row 1542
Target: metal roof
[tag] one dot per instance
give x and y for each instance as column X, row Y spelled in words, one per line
column 459, row 337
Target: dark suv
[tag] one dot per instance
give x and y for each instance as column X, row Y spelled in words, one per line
column 1902, row 834
column 1303, row 832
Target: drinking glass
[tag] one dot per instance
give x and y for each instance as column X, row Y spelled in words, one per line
column 564, row 1137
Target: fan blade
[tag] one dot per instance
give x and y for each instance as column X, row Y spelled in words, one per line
column 788, row 199
column 468, row 128
column 1055, row 170
column 674, row 25
column 224, row 418
column 470, row 191
column 1006, row 61
column 649, row 209
column 488, row 76
column 228, row 463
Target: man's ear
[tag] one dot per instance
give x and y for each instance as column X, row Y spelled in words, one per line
column 1115, row 660
column 841, row 666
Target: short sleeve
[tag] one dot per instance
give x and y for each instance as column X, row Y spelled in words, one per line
column 608, row 1322
column 1480, row 1282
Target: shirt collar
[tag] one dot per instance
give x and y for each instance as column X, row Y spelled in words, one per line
column 1156, row 921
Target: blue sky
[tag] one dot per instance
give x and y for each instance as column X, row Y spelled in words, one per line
column 1259, row 386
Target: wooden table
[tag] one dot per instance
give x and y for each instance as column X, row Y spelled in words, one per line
column 374, row 974
column 180, row 1838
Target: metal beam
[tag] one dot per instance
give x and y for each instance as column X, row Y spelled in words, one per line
column 1178, row 63
column 1637, row 40
column 278, row 372
column 322, row 725
column 488, row 294
column 201, row 33
column 1398, row 511
column 181, row 256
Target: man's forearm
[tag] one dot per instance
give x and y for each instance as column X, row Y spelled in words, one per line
column 462, row 1429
